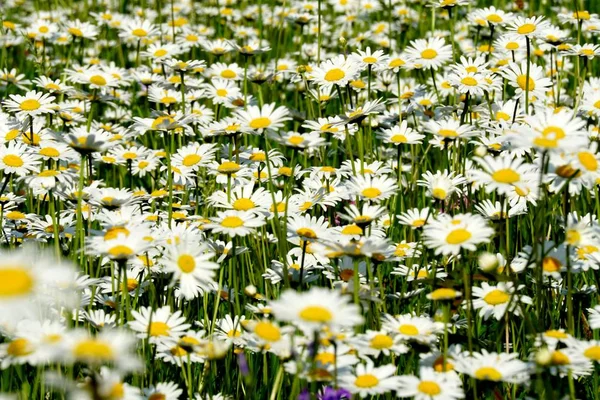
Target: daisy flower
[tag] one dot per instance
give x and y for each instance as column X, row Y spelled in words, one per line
column 158, row 325
column 431, row 385
column 191, row 268
column 415, row 218
column 442, row 184
column 31, row 282
column 369, row 59
column 336, row 71
column 516, row 74
column 31, row 104
column 235, row 223
column 376, row 189
column 494, row 367
column 137, row 29
column 400, row 135
column 315, row 309
column 449, row 129
column 306, row 228
column 87, row 141
column 497, row 300
column 267, row 117
column 552, row 131
column 429, row 53
column 163, row 391
column 110, row 346
column 368, row 380
column 410, row 327
column 528, row 27
column 501, row 174
column 449, row 235
column 16, row 158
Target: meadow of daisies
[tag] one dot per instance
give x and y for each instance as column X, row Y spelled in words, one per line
column 299, row 199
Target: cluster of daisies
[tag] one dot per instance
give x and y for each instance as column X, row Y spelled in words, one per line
column 312, row 199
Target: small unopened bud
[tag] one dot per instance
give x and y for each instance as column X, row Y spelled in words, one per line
column 342, row 41
column 543, row 357
column 250, row 290
column 480, row 151
column 488, row 262
column 301, row 69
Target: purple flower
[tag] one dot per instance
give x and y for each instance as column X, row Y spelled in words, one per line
column 243, row 364
column 329, row 393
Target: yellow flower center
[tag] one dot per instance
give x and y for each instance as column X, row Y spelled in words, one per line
column 191, row 159
column 317, row 314
column 232, row 222
column 506, row 175
column 162, row 121
column 30, row 105
column 526, row 29
column 229, row 167
column 439, row 194
column 334, row 75
column 488, row 374
column 429, row 54
column 429, row 388
column 160, row 53
column 398, row 139
column 448, row 133
column 469, row 81
column 168, row 100
column 443, row 294
column 98, row 80
column 496, row 297
column 221, row 92
column 259, row 156
column 588, row 160
column 228, row 74
column 243, row 204
column 93, row 349
column 120, row 251
column 307, row 233
column 522, row 82
column 380, row 342
column 370, row 60
column 267, row 331
column 366, row 381
column 15, row 215
column 593, row 353
column 371, row 192
column 553, row 333
column 296, row 140
column 75, row 32
column 458, row 236
column 560, row 358
column 12, row 160
column 494, row 18
column 408, row 330
column 159, row 329
column 186, row 263
column 19, row 347
column 551, row 264
column 139, row 32
column 352, row 229
column 260, row 123
column 48, row 173
column 15, row 281
column 325, row 358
